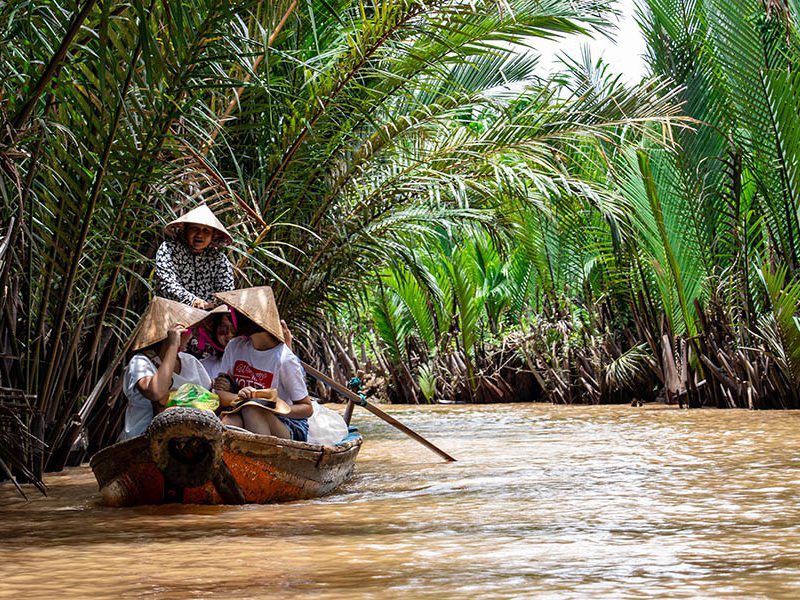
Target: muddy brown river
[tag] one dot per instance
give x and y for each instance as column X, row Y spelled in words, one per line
column 545, row 502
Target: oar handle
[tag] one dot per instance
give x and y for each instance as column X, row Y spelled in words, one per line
column 356, row 399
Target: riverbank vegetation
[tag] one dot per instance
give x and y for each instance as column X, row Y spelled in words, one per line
column 429, row 209
column 677, row 280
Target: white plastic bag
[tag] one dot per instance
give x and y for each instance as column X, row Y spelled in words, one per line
column 325, row 426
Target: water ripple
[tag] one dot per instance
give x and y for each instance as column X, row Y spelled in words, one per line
column 545, row 501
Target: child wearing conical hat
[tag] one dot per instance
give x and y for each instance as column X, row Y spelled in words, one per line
column 160, row 365
column 190, row 263
column 261, row 361
column 213, row 337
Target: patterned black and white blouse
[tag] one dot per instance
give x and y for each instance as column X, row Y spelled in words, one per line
column 184, row 276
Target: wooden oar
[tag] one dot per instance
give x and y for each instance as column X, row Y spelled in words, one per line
column 356, row 399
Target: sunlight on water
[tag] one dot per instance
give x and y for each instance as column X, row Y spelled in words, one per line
column 551, row 502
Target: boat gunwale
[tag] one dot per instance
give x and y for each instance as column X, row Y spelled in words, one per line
column 230, row 437
column 271, row 440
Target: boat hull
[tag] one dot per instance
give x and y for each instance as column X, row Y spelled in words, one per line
column 263, row 469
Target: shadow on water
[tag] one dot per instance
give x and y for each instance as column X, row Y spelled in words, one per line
column 544, row 501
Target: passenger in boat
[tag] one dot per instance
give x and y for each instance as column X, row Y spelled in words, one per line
column 190, row 263
column 160, row 365
column 262, row 361
column 213, row 337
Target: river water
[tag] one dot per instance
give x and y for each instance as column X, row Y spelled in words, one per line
column 545, row 501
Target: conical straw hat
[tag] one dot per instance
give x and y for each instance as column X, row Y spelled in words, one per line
column 216, row 312
column 258, row 305
column 160, row 316
column 201, row 215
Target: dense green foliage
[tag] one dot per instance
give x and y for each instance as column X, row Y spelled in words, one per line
column 401, row 175
column 333, row 138
column 677, row 280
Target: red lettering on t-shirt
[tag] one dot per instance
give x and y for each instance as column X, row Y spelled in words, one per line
column 247, row 375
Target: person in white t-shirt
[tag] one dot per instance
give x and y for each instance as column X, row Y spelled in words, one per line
column 261, row 361
column 159, row 364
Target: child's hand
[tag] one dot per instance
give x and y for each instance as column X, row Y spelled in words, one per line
column 222, row 383
column 247, row 392
column 174, row 334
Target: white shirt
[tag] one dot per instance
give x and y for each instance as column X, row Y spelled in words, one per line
column 276, row 368
column 212, row 364
column 139, row 412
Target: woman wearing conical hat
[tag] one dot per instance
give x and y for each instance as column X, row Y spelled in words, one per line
column 190, row 264
column 259, row 362
column 160, row 365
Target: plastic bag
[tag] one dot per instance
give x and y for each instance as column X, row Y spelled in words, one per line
column 325, row 426
column 194, row 396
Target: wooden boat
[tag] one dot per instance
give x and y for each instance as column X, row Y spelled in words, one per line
column 187, row 456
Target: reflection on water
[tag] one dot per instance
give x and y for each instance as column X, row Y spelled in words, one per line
column 545, row 501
